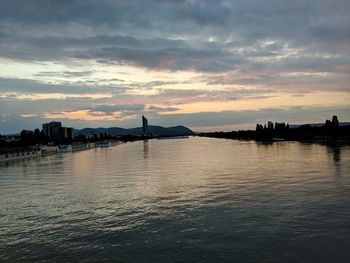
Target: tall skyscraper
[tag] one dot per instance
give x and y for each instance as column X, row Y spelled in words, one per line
column 144, row 126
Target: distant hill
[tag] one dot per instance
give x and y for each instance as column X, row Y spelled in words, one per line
column 154, row 130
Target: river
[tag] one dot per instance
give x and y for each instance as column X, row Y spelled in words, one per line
column 186, row 200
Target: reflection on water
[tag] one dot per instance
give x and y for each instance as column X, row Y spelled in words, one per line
column 336, row 154
column 194, row 200
column 145, row 148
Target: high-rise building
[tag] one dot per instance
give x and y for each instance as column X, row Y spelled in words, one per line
column 270, row 125
column 70, row 134
column 46, row 129
column 49, row 127
column 54, row 130
column 144, row 126
column 335, row 121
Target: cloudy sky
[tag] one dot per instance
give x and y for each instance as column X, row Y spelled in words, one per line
column 208, row 65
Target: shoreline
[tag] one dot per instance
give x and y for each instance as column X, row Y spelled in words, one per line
column 310, row 141
column 22, row 153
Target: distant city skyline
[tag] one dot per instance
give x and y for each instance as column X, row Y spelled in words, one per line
column 207, row 65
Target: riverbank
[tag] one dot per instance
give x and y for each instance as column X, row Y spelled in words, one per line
column 305, row 133
column 20, row 153
column 325, row 141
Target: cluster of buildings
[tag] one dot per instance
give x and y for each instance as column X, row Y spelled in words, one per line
column 271, row 126
column 54, row 131
column 282, row 126
column 333, row 123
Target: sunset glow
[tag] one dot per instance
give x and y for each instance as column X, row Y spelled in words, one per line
column 203, row 57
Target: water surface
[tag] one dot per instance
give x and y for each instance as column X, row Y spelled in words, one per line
column 194, row 200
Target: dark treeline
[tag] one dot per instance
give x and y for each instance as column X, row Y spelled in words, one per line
column 330, row 131
column 94, row 137
column 26, row 138
column 37, row 137
column 32, row 137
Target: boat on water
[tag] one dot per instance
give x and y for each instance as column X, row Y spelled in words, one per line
column 45, row 149
column 64, row 148
column 103, row 144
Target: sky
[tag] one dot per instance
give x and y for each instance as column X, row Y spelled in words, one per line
column 208, row 65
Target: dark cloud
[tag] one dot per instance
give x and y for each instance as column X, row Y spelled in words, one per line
column 154, row 53
column 27, row 86
column 153, row 84
column 13, row 89
column 108, row 109
column 171, row 35
column 272, row 46
column 66, row 74
column 183, row 96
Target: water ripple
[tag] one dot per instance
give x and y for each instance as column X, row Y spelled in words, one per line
column 195, row 200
